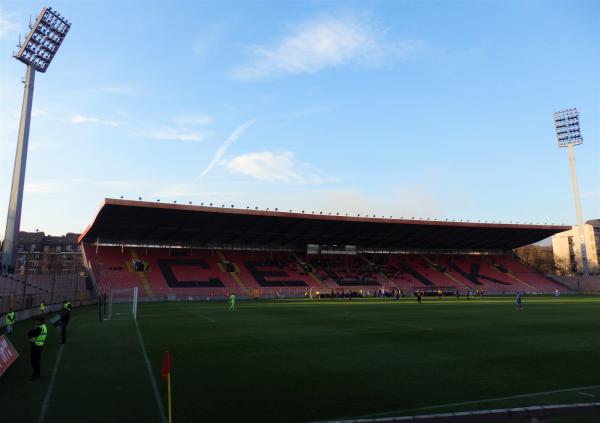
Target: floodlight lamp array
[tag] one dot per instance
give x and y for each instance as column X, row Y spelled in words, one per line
column 44, row 39
column 568, row 132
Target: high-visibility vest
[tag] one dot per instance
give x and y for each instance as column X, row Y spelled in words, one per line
column 42, row 307
column 67, row 305
column 10, row 318
column 41, row 338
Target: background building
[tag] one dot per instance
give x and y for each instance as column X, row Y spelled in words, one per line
column 567, row 251
column 539, row 256
column 38, row 253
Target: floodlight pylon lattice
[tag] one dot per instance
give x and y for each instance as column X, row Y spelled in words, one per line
column 37, row 52
column 44, row 39
column 568, row 134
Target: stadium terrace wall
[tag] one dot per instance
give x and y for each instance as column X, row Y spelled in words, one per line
column 140, row 223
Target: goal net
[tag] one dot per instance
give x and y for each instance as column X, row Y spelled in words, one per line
column 122, row 303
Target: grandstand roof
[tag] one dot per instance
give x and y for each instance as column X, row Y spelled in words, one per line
column 150, row 223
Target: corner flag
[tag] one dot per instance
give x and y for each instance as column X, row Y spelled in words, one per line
column 167, row 366
column 166, row 373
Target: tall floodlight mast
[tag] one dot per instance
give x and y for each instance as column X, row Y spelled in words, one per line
column 568, row 135
column 37, row 51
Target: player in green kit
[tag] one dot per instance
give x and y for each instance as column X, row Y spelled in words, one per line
column 232, row 302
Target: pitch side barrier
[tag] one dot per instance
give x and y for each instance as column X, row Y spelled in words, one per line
column 536, row 414
column 218, row 294
column 325, row 294
column 433, row 291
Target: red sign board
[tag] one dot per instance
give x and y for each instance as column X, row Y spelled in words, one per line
column 8, row 354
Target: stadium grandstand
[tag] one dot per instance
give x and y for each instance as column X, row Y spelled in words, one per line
column 174, row 251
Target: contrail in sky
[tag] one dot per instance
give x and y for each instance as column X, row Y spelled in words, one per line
column 223, row 148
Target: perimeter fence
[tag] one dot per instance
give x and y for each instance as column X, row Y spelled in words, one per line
column 24, row 292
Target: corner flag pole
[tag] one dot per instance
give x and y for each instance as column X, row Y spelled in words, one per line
column 166, row 373
column 169, row 396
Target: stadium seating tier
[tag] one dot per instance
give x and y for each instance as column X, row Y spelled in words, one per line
column 165, row 272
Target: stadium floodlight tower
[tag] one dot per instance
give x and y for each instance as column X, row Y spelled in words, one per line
column 568, row 135
column 37, row 51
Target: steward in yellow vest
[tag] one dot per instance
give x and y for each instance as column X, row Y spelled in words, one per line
column 9, row 320
column 37, row 339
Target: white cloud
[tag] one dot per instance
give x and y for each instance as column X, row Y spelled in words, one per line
column 9, row 27
column 44, row 187
column 198, row 119
column 44, row 146
column 324, row 43
column 235, row 135
column 176, row 134
column 595, row 193
column 122, row 89
column 273, row 167
column 38, row 113
column 187, row 190
column 209, row 39
column 80, row 119
column 397, row 202
column 307, row 111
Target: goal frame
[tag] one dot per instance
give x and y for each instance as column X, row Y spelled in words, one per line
column 132, row 300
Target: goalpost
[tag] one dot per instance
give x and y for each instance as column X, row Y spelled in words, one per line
column 122, row 303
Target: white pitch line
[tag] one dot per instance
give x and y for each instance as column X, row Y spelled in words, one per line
column 586, row 394
column 46, row 401
column 152, row 380
column 457, row 404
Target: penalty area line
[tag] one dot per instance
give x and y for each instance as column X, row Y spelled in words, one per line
column 161, row 409
column 46, row 401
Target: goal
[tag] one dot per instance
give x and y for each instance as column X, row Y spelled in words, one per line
column 122, row 304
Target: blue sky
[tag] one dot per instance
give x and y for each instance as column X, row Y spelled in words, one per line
column 435, row 109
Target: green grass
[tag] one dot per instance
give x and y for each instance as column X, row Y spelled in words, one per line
column 302, row 360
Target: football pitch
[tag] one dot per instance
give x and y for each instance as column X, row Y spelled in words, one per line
column 309, row 360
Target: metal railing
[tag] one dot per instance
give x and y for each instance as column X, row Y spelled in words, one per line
column 22, row 292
